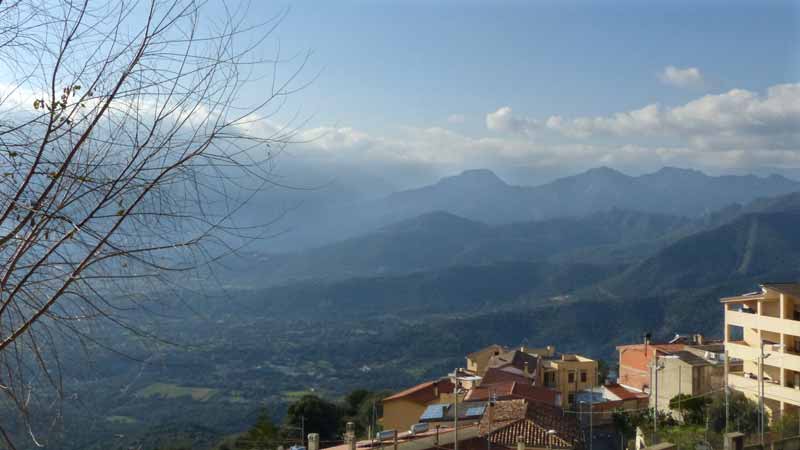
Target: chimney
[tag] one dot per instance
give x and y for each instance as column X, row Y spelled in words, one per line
column 349, row 436
column 698, row 339
column 313, row 441
column 520, row 443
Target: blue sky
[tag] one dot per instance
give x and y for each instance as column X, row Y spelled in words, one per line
column 452, row 85
column 386, row 63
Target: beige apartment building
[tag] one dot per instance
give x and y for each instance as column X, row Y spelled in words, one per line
column 569, row 374
column 766, row 322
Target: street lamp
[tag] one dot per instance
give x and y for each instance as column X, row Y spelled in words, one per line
column 456, row 381
column 761, row 420
column 656, row 368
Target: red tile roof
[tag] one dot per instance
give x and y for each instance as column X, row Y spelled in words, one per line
column 512, row 418
column 494, row 375
column 623, row 393
column 424, row 392
column 509, row 390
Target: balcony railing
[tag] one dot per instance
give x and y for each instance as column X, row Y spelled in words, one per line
column 772, row 389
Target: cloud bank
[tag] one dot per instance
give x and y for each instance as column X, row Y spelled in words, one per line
column 731, row 130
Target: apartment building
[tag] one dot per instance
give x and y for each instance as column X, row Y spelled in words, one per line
column 569, row 374
column 762, row 328
column 565, row 373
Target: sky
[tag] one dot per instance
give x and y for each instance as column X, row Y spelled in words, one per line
column 548, row 86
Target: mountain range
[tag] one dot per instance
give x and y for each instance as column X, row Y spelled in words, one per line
column 481, row 196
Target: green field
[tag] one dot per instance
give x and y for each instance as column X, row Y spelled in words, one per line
column 168, row 390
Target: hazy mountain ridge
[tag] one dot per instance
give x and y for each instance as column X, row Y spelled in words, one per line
column 482, row 196
column 439, row 239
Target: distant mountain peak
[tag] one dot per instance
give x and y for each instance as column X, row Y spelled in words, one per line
column 672, row 170
column 605, row 171
column 475, row 177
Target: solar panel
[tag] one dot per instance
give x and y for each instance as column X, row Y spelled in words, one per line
column 475, row 411
column 433, row 412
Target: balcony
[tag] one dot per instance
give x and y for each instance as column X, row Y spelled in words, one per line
column 767, row 323
column 745, row 352
column 772, row 389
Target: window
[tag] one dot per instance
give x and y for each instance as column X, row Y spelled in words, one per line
column 583, row 376
column 571, row 398
column 571, row 377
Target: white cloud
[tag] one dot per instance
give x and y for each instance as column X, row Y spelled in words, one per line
column 456, row 118
column 504, row 120
column 735, row 129
column 675, row 76
column 735, row 119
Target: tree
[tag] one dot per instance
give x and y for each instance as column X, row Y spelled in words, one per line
column 126, row 147
column 692, row 409
column 264, row 435
column 743, row 413
column 316, row 415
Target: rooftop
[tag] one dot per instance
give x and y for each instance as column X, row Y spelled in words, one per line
column 494, row 375
column 513, row 418
column 424, row 392
column 510, row 390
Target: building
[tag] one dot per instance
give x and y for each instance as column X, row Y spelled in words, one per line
column 403, row 409
column 766, row 322
column 501, row 426
column 540, row 426
column 601, row 402
column 478, row 362
column 541, row 367
column 569, row 374
column 694, row 371
column 636, row 362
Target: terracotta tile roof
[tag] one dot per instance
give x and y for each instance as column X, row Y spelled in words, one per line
column 508, row 390
column 513, row 418
column 495, row 375
column 623, row 393
column 424, row 392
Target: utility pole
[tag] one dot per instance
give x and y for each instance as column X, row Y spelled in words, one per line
column 656, row 368
column 455, row 409
column 761, row 394
column 727, row 393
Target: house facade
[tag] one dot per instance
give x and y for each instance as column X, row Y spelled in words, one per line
column 763, row 327
column 404, row 408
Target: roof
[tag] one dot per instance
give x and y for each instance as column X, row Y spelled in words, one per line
column 661, row 347
column 624, row 393
column 515, row 358
column 424, row 392
column 494, row 375
column 791, row 289
column 692, row 359
column 445, row 412
column 508, row 390
column 487, row 348
column 443, row 434
column 513, row 418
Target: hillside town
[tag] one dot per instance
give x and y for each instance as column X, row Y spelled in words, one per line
column 539, row 398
